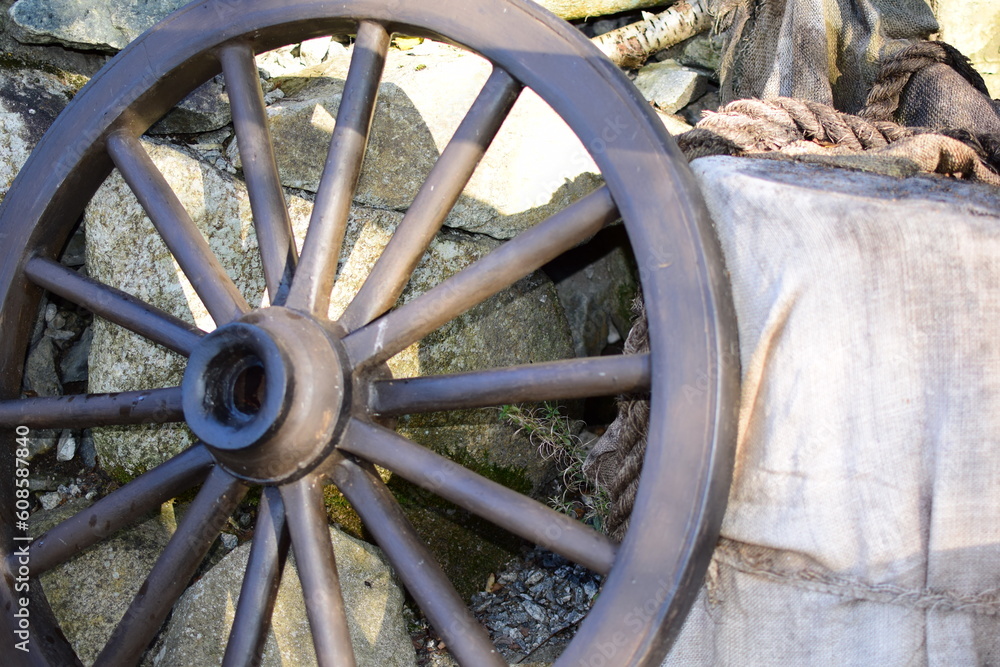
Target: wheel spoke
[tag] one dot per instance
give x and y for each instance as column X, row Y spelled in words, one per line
column 117, row 510
column 314, row 558
column 314, row 277
column 260, row 169
column 187, row 244
column 260, row 583
column 154, row 406
column 433, row 202
column 114, row 305
column 496, row 503
column 378, row 341
column 554, row 380
column 173, row 569
column 423, row 577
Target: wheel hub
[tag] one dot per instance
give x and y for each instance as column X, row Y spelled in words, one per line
column 266, row 394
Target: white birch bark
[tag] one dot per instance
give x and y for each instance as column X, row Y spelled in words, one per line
column 631, row 45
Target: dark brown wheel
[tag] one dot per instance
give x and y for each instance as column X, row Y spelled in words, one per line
column 321, row 385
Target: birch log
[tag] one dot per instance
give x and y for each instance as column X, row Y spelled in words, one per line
column 631, row 45
column 581, row 9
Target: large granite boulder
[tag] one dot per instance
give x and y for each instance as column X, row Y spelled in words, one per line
column 125, row 251
column 90, row 593
column 534, row 167
column 88, row 24
column 199, row 627
column 30, row 99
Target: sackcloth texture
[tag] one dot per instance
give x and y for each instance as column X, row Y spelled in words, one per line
column 862, row 521
column 821, row 50
column 932, row 84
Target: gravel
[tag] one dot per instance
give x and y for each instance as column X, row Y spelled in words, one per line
column 531, row 610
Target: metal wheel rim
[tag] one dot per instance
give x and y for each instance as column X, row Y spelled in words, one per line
column 680, row 264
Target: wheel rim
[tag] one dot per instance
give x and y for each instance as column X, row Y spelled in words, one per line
column 655, row 573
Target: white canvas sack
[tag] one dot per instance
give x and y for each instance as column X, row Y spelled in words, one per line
column 863, row 525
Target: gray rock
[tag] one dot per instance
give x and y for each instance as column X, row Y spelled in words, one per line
column 42, row 481
column 29, row 101
column 535, row 611
column 279, row 62
column 313, row 51
column 73, row 255
column 532, row 610
column 50, row 501
column 207, row 142
column 66, row 447
column 199, row 628
column 73, row 364
column 41, row 442
column 703, row 51
column 90, row 593
column 534, row 167
column 205, row 109
column 669, row 85
column 674, row 123
column 229, row 541
column 124, row 251
column 88, row 24
column 88, row 453
column 59, row 334
column 604, row 25
column 695, row 111
column 40, row 375
column 71, row 490
column 74, row 67
column 38, row 330
column 598, row 298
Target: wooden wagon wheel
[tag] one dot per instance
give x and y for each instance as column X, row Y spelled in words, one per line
column 321, row 383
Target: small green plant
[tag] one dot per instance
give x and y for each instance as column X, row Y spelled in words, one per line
column 552, row 433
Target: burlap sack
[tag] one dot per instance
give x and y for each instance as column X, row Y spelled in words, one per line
column 863, row 525
column 821, row 50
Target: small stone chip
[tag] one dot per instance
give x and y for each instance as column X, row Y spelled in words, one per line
column 50, row 500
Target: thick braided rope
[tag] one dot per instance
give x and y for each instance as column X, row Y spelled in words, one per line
column 897, row 69
column 755, row 126
column 628, row 432
column 792, row 126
